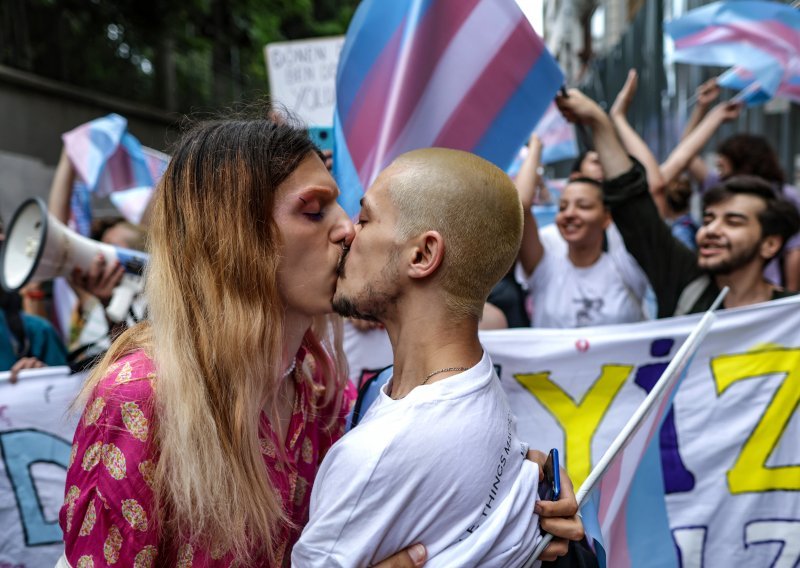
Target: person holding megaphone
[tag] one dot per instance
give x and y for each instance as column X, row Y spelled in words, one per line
column 26, row 341
column 104, row 271
column 91, row 325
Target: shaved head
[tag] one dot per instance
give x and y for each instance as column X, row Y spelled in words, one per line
column 473, row 205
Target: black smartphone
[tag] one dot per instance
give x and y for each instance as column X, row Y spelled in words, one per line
column 550, row 486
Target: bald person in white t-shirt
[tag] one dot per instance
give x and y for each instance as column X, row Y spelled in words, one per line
column 436, row 460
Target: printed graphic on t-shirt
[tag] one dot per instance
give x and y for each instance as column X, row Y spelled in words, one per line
column 588, row 311
column 498, row 476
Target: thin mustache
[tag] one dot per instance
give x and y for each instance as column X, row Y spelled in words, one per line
column 340, row 266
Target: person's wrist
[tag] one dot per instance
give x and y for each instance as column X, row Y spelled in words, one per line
column 718, row 110
column 601, row 122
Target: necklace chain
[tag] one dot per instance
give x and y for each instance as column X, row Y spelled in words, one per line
column 288, row 371
column 427, row 377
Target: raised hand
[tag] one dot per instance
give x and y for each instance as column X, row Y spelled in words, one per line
column 727, row 111
column 625, row 95
column 578, row 108
column 707, row 93
column 100, row 280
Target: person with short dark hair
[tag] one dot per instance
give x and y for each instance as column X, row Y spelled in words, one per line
column 742, row 153
column 751, row 154
column 746, row 223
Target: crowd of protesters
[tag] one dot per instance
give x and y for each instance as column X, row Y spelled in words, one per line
column 624, row 226
column 576, row 273
column 618, row 234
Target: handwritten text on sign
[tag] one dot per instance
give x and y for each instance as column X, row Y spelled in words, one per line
column 302, row 76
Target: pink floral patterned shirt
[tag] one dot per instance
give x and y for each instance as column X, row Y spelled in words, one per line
column 108, row 513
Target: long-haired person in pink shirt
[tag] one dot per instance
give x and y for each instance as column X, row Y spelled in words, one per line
column 204, row 426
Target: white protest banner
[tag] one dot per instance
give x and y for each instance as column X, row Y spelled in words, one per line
column 730, row 449
column 302, row 76
column 35, row 443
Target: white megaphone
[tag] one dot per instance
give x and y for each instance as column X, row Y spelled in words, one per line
column 39, row 247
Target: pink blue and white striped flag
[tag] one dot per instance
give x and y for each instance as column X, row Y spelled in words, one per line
column 558, row 136
column 627, row 516
column 132, row 202
column 558, row 140
column 760, row 39
column 630, row 506
column 107, row 158
column 755, row 87
column 622, row 499
column 464, row 74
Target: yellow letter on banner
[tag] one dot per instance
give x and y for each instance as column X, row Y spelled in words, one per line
column 579, row 421
column 750, row 473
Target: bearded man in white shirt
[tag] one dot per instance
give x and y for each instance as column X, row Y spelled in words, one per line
column 436, row 459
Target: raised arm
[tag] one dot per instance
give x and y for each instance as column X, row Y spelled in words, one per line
column 531, row 251
column 101, row 279
column 705, row 94
column 61, row 188
column 634, row 144
column 693, row 144
column 578, row 108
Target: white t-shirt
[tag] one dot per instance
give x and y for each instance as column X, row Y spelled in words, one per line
column 442, row 466
column 565, row 296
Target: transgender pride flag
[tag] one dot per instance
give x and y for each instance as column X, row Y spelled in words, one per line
column 627, row 516
column 761, row 39
column 755, row 87
column 107, row 159
column 558, row 136
column 464, row 74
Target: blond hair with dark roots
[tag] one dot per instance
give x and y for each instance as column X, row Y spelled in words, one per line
column 215, row 333
column 473, row 205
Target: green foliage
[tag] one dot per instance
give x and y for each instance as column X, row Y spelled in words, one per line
column 173, row 54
